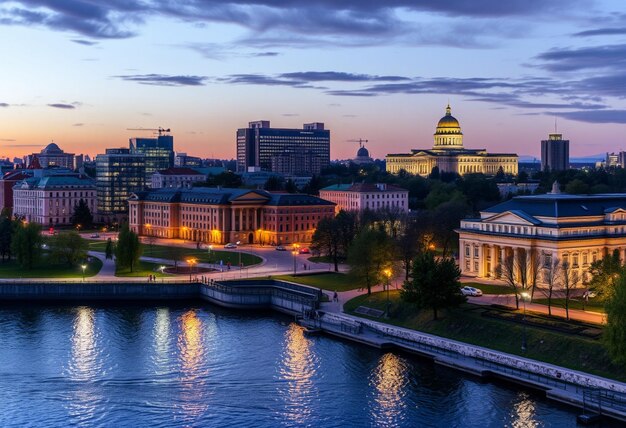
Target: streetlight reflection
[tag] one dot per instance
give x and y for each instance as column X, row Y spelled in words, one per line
column 389, row 380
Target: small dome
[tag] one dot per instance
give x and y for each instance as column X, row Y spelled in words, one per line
column 52, row 148
column 363, row 153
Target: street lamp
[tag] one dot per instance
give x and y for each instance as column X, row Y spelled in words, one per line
column 387, row 273
column 525, row 296
column 83, row 268
column 210, row 247
column 191, row 262
column 162, row 269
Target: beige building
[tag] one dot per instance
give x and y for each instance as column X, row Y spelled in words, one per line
column 366, row 196
column 449, row 155
column 576, row 229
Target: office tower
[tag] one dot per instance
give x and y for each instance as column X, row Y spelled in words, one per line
column 158, row 152
column 555, row 153
column 118, row 174
column 303, row 151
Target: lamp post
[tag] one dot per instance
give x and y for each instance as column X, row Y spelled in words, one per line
column 524, row 295
column 295, row 253
column 210, row 247
column 83, row 267
column 191, row 262
column 387, row 273
column 239, row 252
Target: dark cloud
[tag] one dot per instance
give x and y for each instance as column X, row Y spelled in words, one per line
column 62, row 106
column 164, row 80
column 601, row 32
column 84, row 42
column 4, row 105
column 78, row 124
column 597, row 116
column 371, row 19
column 591, row 57
column 264, row 54
column 335, row 76
column 290, row 114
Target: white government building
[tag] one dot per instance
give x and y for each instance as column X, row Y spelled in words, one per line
column 449, row 155
column 577, row 229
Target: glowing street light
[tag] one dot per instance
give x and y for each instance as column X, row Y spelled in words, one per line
column 191, row 262
column 83, row 267
column 295, row 253
column 524, row 296
column 387, row 273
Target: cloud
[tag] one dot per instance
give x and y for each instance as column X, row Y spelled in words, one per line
column 62, row 106
column 164, row 80
column 84, row 42
column 589, row 57
column 4, row 105
column 290, row 114
column 597, row 116
column 321, row 20
column 78, row 124
column 8, row 140
column 601, row 32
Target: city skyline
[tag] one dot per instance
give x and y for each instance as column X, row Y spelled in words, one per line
column 80, row 73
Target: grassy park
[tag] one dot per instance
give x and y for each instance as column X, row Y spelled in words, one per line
column 44, row 269
column 490, row 288
column 182, row 253
column 143, row 269
column 466, row 324
column 326, row 281
column 594, row 306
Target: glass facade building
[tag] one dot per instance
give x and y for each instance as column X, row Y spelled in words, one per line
column 294, row 151
column 118, row 174
column 158, row 152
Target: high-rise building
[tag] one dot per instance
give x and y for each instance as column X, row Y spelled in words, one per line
column 118, row 174
column 555, row 153
column 303, row 151
column 158, row 152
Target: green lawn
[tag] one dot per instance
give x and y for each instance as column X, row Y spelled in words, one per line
column 326, row 281
column 144, row 269
column 182, row 253
column 466, row 324
column 594, row 306
column 11, row 269
column 489, row 288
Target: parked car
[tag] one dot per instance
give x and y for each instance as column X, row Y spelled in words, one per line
column 304, row 251
column 230, row 245
column 280, row 248
column 471, row 291
column 95, row 235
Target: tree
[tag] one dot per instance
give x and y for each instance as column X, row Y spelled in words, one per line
column 273, row 183
column 82, row 215
column 369, row 255
column 7, row 228
column 434, row 284
column 448, row 217
column 108, row 251
column 128, row 249
column 507, row 270
column 603, row 274
column 615, row 330
column 533, row 264
column 326, row 240
column 26, row 244
column 551, row 277
column 569, row 279
column 68, row 248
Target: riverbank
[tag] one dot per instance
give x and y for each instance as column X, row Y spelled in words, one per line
column 572, row 387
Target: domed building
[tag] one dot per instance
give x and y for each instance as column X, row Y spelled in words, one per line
column 362, row 156
column 52, row 156
column 449, row 155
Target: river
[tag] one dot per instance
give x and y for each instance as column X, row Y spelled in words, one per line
column 169, row 366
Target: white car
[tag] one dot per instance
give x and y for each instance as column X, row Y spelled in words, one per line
column 230, row 245
column 471, row 291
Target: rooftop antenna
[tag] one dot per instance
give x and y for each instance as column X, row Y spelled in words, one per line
column 555, row 124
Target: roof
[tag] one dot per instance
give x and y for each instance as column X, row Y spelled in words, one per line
column 178, row 171
column 54, row 181
column 364, row 187
column 226, row 196
column 52, row 148
column 562, row 205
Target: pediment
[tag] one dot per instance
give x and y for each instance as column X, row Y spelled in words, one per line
column 251, row 196
column 512, row 217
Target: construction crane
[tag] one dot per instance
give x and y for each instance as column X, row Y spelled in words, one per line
column 159, row 131
column 360, row 141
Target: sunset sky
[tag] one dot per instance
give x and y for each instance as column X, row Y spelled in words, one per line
column 80, row 72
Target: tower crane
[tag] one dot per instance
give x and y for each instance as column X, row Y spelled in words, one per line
column 360, row 141
column 159, row 131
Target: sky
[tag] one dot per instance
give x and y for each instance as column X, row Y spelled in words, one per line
column 82, row 72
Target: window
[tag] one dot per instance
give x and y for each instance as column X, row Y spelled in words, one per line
column 467, row 251
column 475, row 251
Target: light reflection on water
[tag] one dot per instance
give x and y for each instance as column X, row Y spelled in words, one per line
column 389, row 380
column 296, row 373
column 179, row 367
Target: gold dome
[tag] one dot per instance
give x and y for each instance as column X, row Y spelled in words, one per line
column 448, row 121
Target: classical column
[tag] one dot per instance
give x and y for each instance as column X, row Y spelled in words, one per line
column 256, row 219
column 240, row 219
column 492, row 264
